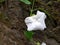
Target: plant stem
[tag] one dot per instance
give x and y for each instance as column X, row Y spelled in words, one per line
column 32, row 7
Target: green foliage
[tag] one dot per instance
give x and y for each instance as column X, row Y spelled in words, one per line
column 26, row 1
column 28, row 34
column 2, row 1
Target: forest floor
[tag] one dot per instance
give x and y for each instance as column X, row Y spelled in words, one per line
column 12, row 25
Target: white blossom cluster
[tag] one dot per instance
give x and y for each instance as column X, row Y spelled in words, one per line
column 36, row 22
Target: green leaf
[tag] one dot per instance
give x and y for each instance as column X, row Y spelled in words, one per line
column 28, row 34
column 26, row 1
column 38, row 43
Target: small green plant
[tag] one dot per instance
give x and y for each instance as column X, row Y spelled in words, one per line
column 29, row 34
column 25, row 1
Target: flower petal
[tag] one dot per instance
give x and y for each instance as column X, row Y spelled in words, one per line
column 36, row 22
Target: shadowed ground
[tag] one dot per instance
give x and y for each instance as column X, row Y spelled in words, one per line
column 12, row 26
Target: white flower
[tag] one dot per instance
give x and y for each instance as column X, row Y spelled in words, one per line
column 43, row 43
column 36, row 22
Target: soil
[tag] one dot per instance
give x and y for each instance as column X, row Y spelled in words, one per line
column 12, row 25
